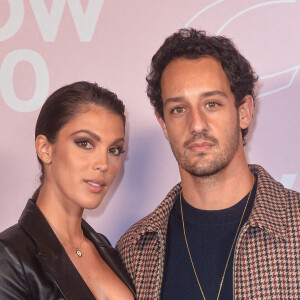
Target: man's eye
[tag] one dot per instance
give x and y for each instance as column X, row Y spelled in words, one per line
column 116, row 150
column 212, row 104
column 178, row 110
column 85, row 144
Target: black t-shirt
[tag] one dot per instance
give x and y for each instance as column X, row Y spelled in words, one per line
column 210, row 234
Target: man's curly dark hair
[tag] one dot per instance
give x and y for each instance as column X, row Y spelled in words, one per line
column 192, row 44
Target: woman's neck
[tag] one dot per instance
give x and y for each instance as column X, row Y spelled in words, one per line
column 64, row 219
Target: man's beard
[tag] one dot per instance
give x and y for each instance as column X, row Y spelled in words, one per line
column 203, row 168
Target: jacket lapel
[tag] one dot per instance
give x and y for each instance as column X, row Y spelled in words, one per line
column 109, row 254
column 52, row 256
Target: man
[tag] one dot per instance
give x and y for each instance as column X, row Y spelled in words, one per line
column 228, row 230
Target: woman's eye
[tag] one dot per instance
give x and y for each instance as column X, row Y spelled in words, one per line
column 116, row 150
column 178, row 110
column 85, row 144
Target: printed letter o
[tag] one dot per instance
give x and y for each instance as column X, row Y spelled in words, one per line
column 6, row 80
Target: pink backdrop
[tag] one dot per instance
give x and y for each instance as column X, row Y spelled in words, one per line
column 45, row 44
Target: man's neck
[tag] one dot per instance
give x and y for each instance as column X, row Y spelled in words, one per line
column 219, row 191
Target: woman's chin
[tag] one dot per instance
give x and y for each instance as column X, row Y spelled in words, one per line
column 92, row 204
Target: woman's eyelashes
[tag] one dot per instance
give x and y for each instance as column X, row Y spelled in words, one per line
column 116, row 150
column 84, row 143
column 87, row 144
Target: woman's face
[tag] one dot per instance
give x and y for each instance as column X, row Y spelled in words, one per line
column 86, row 157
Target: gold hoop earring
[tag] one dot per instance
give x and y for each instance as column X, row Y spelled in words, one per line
column 47, row 161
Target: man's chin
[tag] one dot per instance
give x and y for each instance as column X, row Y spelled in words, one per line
column 203, row 170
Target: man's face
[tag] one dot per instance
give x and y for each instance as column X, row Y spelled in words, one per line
column 201, row 121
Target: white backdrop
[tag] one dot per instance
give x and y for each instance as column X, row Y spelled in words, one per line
column 45, row 44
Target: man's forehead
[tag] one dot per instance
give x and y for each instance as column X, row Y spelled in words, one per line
column 202, row 75
column 182, row 60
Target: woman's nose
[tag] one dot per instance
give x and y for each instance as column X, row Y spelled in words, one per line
column 101, row 161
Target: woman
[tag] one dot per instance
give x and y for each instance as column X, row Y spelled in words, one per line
column 52, row 253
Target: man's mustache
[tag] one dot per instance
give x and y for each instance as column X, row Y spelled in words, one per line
column 202, row 137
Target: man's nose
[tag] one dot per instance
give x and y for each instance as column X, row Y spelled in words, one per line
column 198, row 121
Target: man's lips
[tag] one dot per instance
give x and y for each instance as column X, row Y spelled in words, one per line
column 200, row 146
column 200, row 140
column 95, row 185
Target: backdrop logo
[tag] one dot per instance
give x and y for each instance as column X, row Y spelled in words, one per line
column 283, row 79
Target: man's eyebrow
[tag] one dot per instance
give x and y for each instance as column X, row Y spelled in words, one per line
column 92, row 134
column 172, row 100
column 203, row 95
column 213, row 93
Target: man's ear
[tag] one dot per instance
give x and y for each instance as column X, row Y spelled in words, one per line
column 246, row 112
column 43, row 149
column 162, row 124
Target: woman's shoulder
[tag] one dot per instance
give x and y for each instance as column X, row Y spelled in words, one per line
column 15, row 242
column 13, row 279
column 12, row 235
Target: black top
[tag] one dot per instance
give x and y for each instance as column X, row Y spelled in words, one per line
column 210, row 234
column 34, row 264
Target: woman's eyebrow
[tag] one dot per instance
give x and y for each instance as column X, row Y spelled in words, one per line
column 92, row 134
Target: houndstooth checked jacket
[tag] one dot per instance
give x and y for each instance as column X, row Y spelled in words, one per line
column 266, row 262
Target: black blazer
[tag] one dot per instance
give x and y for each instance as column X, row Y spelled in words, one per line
column 34, row 264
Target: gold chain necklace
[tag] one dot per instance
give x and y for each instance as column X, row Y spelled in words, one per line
column 188, row 248
column 78, row 252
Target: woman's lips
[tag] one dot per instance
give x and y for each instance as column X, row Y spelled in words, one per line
column 95, row 186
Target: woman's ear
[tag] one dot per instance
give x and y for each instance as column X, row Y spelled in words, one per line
column 246, row 112
column 43, row 149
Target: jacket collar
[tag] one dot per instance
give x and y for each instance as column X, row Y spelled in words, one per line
column 268, row 213
column 270, row 209
column 55, row 260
